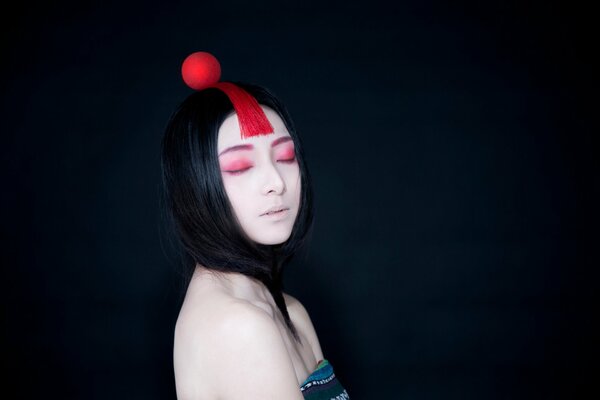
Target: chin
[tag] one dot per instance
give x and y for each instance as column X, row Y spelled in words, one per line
column 272, row 239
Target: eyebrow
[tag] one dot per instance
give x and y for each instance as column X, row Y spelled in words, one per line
column 250, row 147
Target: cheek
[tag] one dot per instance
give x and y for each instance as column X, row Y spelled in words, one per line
column 294, row 183
column 238, row 197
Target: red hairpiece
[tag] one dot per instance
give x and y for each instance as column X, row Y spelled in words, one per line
column 201, row 70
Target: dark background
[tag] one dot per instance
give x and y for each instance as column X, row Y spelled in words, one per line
column 453, row 156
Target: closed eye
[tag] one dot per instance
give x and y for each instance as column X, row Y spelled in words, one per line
column 240, row 171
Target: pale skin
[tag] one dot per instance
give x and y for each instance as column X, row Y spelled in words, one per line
column 231, row 341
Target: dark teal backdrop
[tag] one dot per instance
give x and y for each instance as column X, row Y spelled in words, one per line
column 453, row 152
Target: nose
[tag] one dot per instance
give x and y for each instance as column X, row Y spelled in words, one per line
column 273, row 180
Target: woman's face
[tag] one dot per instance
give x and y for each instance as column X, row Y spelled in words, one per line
column 259, row 173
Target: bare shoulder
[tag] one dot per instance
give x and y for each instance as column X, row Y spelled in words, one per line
column 301, row 319
column 231, row 350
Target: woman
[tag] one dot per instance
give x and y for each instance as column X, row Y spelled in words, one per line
column 242, row 207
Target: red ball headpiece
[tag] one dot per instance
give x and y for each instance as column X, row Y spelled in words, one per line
column 201, row 70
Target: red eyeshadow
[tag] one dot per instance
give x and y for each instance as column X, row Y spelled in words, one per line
column 287, row 153
column 236, row 165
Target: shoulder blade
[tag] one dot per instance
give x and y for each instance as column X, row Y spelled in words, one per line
column 300, row 316
column 247, row 356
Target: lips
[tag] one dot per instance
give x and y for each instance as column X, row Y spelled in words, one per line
column 274, row 209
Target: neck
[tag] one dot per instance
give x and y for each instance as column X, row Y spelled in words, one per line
column 235, row 283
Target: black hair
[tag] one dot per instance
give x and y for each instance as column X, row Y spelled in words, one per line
column 197, row 206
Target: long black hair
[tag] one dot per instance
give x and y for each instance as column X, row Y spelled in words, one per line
column 197, row 206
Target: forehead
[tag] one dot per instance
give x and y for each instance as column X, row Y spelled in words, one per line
column 230, row 134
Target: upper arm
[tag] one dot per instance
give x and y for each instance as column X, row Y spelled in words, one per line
column 248, row 358
column 300, row 316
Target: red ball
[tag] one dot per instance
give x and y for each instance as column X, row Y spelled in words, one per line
column 200, row 70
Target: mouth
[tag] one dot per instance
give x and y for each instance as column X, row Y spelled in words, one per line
column 277, row 212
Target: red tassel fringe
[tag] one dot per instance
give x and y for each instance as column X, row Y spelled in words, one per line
column 251, row 117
